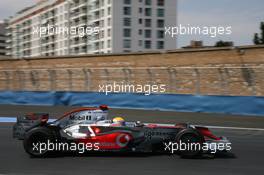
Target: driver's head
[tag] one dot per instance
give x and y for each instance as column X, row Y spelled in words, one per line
column 118, row 120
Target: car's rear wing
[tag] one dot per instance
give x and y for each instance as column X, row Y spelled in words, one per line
column 27, row 122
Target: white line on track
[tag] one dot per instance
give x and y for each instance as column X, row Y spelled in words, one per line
column 220, row 127
column 236, row 128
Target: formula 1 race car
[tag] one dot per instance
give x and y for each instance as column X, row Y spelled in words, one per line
column 88, row 129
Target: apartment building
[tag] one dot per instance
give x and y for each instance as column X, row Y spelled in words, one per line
column 2, row 39
column 124, row 26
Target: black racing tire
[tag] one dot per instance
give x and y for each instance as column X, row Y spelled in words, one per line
column 195, row 142
column 36, row 136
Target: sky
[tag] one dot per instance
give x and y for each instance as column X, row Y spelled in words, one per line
column 244, row 16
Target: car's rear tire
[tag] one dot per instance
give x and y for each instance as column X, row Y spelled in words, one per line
column 35, row 138
column 193, row 141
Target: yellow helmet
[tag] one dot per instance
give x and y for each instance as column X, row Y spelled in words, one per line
column 118, row 119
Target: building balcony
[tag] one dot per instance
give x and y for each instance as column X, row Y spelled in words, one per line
column 8, row 41
column 79, row 5
column 8, row 33
column 78, row 15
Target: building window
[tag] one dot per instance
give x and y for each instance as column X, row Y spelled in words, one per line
column 140, row 20
column 140, row 10
column 127, row 33
column 140, row 31
column 102, row 3
column 160, row 23
column 109, row 32
column 160, row 34
column 147, row 2
column 147, row 33
column 160, row 12
column 102, row 13
column 127, row 10
column 97, row 44
column 108, row 43
column 127, row 43
column 109, row 10
column 109, row 21
column 84, row 49
column 101, row 23
column 160, row 44
column 147, row 11
column 147, row 44
column 102, row 33
column 140, row 43
column 127, row 21
column 147, row 22
column 160, row 2
column 102, row 44
column 127, row 1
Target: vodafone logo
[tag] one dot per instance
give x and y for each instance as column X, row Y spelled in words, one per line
column 123, row 139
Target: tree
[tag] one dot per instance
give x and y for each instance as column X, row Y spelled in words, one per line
column 256, row 39
column 223, row 43
column 262, row 32
column 259, row 40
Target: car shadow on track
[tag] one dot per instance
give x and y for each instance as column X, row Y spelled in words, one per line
column 222, row 155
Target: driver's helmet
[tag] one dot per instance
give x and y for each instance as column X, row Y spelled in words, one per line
column 118, row 120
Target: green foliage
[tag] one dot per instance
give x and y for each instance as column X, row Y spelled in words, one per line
column 259, row 39
column 262, row 32
column 256, row 39
column 223, row 44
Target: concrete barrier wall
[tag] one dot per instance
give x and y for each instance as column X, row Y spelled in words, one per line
column 247, row 81
column 224, row 71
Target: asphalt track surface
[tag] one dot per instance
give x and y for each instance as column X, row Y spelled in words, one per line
column 246, row 157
